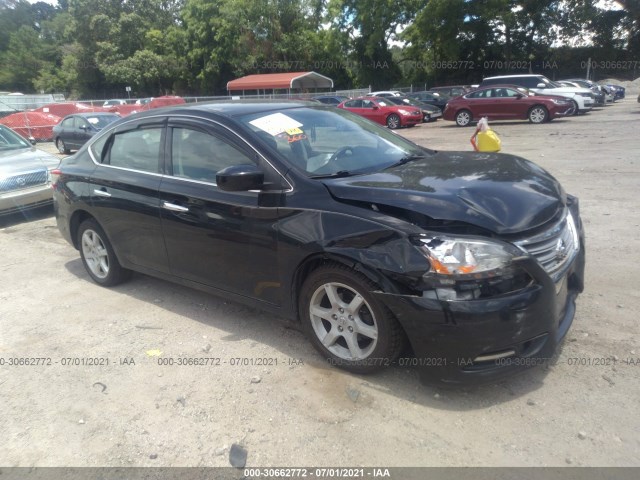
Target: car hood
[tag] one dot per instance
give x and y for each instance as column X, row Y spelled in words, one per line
column 550, row 97
column 502, row 193
column 429, row 108
column 568, row 90
column 24, row 160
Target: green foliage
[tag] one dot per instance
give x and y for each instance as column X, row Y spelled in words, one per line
column 89, row 48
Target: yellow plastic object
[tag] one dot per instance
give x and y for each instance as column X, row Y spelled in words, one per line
column 488, row 142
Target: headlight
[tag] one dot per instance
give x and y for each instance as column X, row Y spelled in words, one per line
column 560, row 102
column 402, row 111
column 473, row 258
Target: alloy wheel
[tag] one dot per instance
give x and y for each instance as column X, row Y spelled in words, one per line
column 343, row 321
column 393, row 121
column 463, row 118
column 95, row 253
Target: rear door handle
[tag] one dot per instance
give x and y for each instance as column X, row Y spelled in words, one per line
column 175, row 208
column 101, row 193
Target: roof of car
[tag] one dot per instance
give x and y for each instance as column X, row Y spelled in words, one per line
column 497, row 85
column 515, row 75
column 92, row 114
column 232, row 108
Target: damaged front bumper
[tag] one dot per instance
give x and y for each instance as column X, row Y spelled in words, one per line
column 475, row 341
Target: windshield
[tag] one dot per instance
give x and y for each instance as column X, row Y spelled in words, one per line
column 323, row 141
column 404, row 101
column 100, row 121
column 10, row 140
column 551, row 84
column 526, row 91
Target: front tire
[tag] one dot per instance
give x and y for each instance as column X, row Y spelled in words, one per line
column 538, row 114
column 98, row 257
column 463, row 118
column 575, row 107
column 393, row 121
column 346, row 323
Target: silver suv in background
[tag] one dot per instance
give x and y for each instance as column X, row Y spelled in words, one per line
column 581, row 98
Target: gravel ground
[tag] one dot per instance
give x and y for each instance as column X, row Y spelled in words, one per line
column 582, row 410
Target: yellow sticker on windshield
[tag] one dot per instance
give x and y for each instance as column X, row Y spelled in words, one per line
column 294, row 131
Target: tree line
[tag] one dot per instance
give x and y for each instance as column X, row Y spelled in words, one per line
column 93, row 48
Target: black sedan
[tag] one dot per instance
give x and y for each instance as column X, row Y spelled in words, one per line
column 430, row 113
column 331, row 99
column 320, row 215
column 74, row 130
column 431, row 98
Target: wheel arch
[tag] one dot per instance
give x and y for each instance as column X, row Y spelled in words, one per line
column 321, row 259
column 77, row 218
column 459, row 111
column 541, row 105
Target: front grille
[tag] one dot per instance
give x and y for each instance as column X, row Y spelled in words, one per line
column 23, row 180
column 555, row 247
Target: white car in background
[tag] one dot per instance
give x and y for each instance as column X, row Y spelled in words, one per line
column 386, row 93
column 114, row 103
column 582, row 99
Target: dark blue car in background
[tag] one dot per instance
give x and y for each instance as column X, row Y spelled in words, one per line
column 74, row 130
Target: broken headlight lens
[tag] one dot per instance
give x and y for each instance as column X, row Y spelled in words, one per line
column 474, row 258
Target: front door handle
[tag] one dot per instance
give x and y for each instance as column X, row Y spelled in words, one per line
column 101, row 193
column 175, row 208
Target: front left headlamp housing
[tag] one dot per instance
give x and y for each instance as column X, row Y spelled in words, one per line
column 463, row 268
column 466, row 257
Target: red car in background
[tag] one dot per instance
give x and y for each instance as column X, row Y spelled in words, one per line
column 506, row 102
column 381, row 111
column 36, row 125
column 156, row 102
column 69, row 108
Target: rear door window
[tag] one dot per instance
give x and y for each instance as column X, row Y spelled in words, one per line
column 136, row 150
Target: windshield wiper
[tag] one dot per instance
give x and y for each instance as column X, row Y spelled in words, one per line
column 341, row 173
column 406, row 159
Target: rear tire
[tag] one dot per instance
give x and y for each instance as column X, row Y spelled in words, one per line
column 62, row 147
column 349, row 326
column 463, row 118
column 98, row 257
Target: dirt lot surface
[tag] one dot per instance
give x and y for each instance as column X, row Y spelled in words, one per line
column 583, row 410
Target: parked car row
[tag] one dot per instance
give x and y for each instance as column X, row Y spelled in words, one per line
column 506, row 97
column 532, row 97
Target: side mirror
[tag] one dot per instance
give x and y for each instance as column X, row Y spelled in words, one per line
column 240, row 178
column 32, row 140
column 519, row 96
column 83, row 127
column 375, row 107
column 541, row 85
